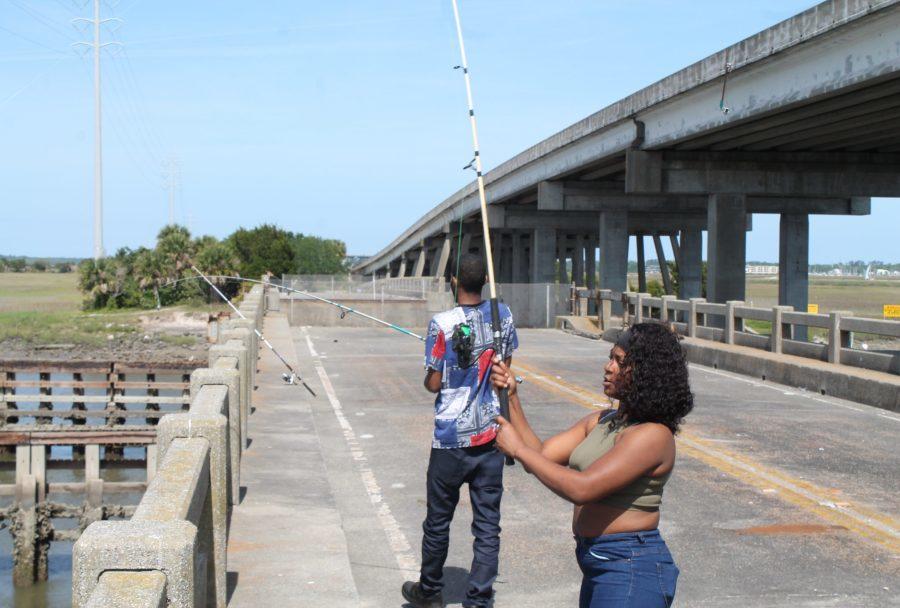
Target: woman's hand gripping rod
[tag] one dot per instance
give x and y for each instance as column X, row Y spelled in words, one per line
column 289, row 379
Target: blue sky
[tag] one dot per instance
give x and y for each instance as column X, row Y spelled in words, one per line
column 342, row 119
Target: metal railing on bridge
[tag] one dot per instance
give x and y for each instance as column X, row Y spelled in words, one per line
column 369, row 288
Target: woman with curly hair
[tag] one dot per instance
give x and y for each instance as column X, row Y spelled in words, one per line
column 613, row 465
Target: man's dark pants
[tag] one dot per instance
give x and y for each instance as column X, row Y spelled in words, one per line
column 482, row 468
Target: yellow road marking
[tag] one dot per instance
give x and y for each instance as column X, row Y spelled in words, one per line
column 866, row 522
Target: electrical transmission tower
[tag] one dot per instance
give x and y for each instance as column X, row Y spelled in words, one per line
column 172, row 183
column 97, row 46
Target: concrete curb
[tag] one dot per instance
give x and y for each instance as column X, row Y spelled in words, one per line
column 878, row 389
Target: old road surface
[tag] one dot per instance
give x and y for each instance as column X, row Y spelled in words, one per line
column 780, row 498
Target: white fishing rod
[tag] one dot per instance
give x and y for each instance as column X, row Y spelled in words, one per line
column 294, row 374
column 503, row 394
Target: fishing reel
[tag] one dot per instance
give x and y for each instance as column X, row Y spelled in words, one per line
column 463, row 344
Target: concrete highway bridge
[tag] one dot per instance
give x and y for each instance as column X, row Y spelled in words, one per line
column 265, row 495
column 802, row 118
column 784, row 492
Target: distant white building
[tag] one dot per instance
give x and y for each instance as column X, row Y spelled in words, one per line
column 761, row 269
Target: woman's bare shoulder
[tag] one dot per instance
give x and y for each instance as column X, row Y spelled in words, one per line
column 648, row 432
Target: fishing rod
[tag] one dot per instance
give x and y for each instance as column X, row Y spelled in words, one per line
column 294, row 374
column 344, row 309
column 503, row 393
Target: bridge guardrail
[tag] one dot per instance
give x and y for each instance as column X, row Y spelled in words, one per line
column 172, row 552
column 697, row 318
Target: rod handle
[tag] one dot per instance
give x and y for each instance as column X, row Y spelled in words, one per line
column 503, row 394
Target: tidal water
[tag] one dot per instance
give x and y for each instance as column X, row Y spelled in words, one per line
column 57, row 590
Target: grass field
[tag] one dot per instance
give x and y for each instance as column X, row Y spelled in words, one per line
column 863, row 298
column 39, row 292
column 45, row 308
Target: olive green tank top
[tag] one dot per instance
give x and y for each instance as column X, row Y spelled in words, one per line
column 643, row 494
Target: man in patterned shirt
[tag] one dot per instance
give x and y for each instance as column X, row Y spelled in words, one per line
column 458, row 355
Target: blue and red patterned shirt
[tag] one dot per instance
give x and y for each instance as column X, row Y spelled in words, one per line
column 466, row 405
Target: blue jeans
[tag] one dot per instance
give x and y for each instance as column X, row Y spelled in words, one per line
column 628, row 570
column 482, row 468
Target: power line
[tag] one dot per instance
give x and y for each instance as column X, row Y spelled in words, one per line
column 130, row 113
column 136, row 85
column 32, row 40
column 43, row 19
column 67, row 7
column 117, row 122
column 132, row 91
column 18, row 92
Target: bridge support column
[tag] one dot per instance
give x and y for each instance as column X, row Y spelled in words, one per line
column 443, row 256
column 419, row 269
column 578, row 262
column 562, row 258
column 402, row 271
column 507, row 241
column 496, row 252
column 793, row 265
column 614, row 253
column 726, row 247
column 641, row 263
column 519, row 273
column 543, row 255
column 466, row 245
column 663, row 265
column 590, row 263
column 690, row 265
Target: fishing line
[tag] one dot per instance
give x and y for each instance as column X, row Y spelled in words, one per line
column 259, row 335
column 345, row 309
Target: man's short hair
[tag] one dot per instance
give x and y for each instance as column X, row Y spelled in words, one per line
column 472, row 272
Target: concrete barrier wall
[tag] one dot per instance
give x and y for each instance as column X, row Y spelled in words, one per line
column 405, row 313
column 173, row 550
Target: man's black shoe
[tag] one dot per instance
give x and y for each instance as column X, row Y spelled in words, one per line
column 412, row 593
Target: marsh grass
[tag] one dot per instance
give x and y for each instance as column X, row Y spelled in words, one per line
column 863, row 298
column 39, row 292
column 66, row 327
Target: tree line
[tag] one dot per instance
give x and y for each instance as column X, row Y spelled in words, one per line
column 21, row 264
column 145, row 277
